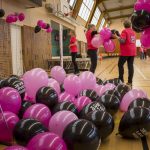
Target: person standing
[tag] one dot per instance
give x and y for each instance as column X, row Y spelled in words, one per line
column 73, row 50
column 127, row 52
column 91, row 50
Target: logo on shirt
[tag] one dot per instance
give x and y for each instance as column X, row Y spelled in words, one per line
column 133, row 39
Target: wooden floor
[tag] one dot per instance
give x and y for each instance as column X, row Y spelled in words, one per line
column 108, row 69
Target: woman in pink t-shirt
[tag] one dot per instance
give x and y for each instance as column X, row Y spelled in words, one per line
column 73, row 50
column 127, row 51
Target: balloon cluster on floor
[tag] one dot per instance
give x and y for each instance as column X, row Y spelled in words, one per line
column 141, row 21
column 68, row 112
column 11, row 18
column 104, row 38
column 42, row 25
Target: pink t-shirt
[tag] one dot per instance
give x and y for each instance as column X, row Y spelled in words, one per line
column 89, row 40
column 73, row 48
column 129, row 47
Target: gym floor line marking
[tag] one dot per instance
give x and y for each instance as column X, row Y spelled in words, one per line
column 140, row 72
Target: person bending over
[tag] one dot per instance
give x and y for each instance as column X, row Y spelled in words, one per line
column 91, row 50
column 127, row 51
column 74, row 50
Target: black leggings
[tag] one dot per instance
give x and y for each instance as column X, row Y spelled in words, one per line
column 93, row 56
column 74, row 56
column 130, row 61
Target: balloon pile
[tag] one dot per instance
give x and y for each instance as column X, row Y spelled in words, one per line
column 81, row 116
column 141, row 21
column 42, row 25
column 104, row 38
column 11, row 18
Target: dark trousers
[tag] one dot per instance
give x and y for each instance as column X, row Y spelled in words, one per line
column 143, row 55
column 93, row 56
column 74, row 56
column 130, row 61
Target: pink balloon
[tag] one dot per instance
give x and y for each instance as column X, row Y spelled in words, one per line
column 109, row 46
column 39, row 112
column 72, row 85
column 9, row 19
column 10, row 100
column 46, row 141
column 110, row 86
column 82, row 101
column 105, row 34
column 54, row 84
column 14, row 18
column 8, row 120
column 142, row 5
column 131, row 96
column 58, row 73
column 97, row 41
column 145, row 36
column 40, row 23
column 15, row 148
column 21, row 16
column 49, row 30
column 88, row 80
column 44, row 25
column 33, row 80
column 66, row 97
column 60, row 120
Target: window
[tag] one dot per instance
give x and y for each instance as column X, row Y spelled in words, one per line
column 72, row 3
column 96, row 16
column 85, row 9
column 102, row 23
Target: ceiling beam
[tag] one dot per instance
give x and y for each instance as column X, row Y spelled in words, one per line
column 77, row 8
column 119, row 8
column 118, row 17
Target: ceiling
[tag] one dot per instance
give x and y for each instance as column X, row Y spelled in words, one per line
column 117, row 9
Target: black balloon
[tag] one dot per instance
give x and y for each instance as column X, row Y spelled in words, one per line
column 136, row 29
column 62, row 88
column 89, row 93
column 91, row 107
column 141, row 19
column 25, row 129
column 135, row 123
column 113, row 92
column 37, row 29
column 65, row 106
column 14, row 77
column 111, row 103
column 18, row 85
column 81, row 135
column 24, row 106
column 2, row 83
column 47, row 26
column 2, row 13
column 140, row 102
column 122, row 89
column 103, row 121
column 99, row 81
column 47, row 96
column 114, row 81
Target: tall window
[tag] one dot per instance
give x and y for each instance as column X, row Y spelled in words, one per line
column 102, row 24
column 72, row 3
column 85, row 9
column 96, row 16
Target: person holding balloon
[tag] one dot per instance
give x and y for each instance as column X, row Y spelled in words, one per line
column 74, row 50
column 127, row 51
column 91, row 50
